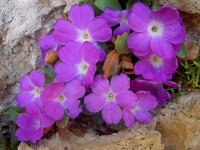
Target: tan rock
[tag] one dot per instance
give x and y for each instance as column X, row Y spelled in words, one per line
column 190, row 6
column 179, row 123
column 140, row 137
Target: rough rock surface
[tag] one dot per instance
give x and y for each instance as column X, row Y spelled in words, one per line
column 22, row 24
column 190, row 6
column 179, row 123
column 177, row 126
column 141, row 137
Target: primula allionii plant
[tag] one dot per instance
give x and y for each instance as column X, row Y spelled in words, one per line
column 77, row 82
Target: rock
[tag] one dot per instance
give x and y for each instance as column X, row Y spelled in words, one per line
column 179, row 123
column 190, row 6
column 22, row 24
column 140, row 137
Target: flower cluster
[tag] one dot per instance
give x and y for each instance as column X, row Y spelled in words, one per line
column 154, row 36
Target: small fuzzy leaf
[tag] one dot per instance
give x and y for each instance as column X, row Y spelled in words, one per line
column 121, row 44
column 49, row 73
column 127, row 65
column 114, row 4
column 129, row 4
column 120, row 126
column 12, row 111
column 13, row 140
column 183, row 52
column 155, row 6
column 111, row 63
column 148, row 2
column 64, row 122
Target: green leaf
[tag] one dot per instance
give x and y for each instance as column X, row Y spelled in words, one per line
column 13, row 140
column 155, row 6
column 48, row 70
column 121, row 44
column 91, row 3
column 183, row 52
column 114, row 4
column 63, row 122
column 120, row 126
column 148, row 2
column 2, row 142
column 129, row 4
column 13, row 111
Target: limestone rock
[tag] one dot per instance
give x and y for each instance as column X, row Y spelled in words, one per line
column 190, row 6
column 179, row 123
column 138, row 138
column 22, row 24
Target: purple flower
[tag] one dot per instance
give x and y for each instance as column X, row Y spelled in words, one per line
column 155, row 68
column 78, row 61
column 30, row 88
column 82, row 27
column 59, row 98
column 31, row 124
column 156, row 89
column 108, row 97
column 114, row 17
column 47, row 43
column 140, row 111
column 155, row 30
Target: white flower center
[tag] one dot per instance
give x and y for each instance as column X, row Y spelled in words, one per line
column 124, row 18
column 156, row 61
column 83, row 67
column 110, row 96
column 84, row 36
column 155, row 28
column 37, row 91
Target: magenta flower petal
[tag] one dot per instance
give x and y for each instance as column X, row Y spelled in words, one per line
column 64, row 31
column 89, row 78
column 175, row 33
column 94, row 103
column 90, row 53
column 100, row 85
column 139, row 17
column 99, row 30
column 128, row 118
column 120, row 83
column 139, row 43
column 162, row 48
column 126, row 99
column 22, row 134
column 24, row 120
column 48, row 43
column 46, row 121
column 124, row 27
column 166, row 15
column 70, row 54
column 37, row 135
column 111, row 16
column 112, row 113
column 143, row 116
column 34, row 111
column 25, row 83
column 65, row 72
column 142, row 67
column 24, row 98
column 74, row 89
column 81, row 16
column 73, row 108
column 52, row 91
column 156, row 89
column 37, row 78
column 54, row 110
column 146, row 100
